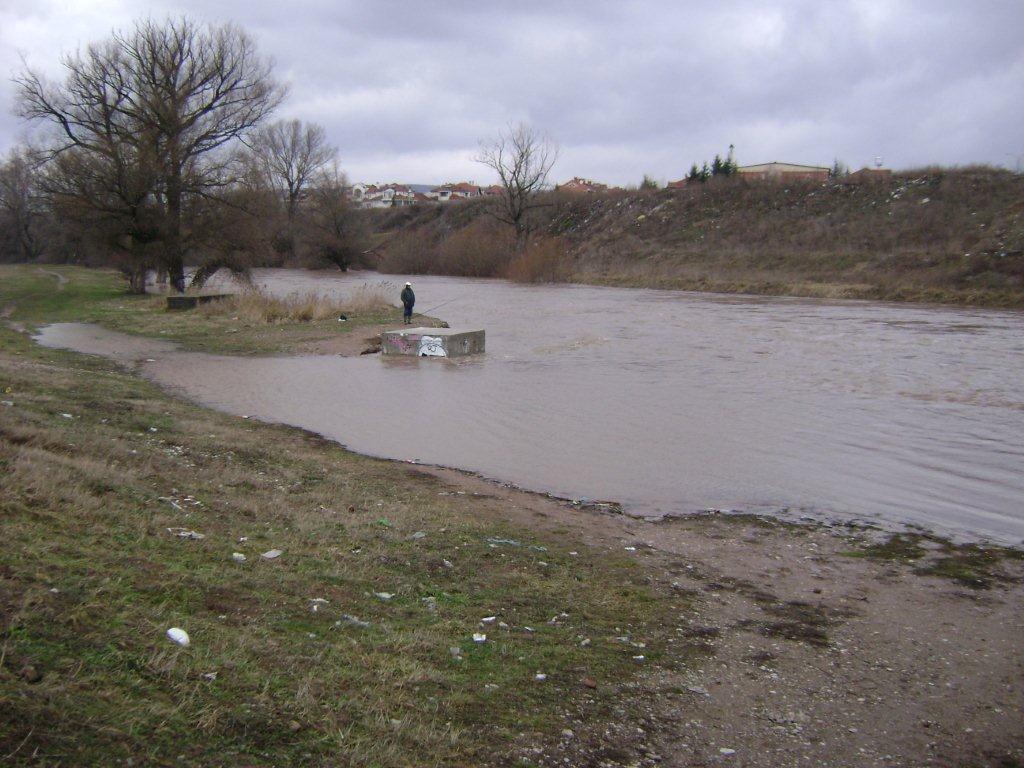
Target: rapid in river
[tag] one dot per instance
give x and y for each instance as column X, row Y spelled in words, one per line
column 667, row 402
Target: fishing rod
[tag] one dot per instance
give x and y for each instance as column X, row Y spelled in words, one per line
column 442, row 304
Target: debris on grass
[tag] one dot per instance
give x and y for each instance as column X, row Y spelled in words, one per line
column 185, row 533
column 384, row 595
column 479, row 637
column 179, row 636
column 352, row 620
column 238, row 557
column 272, row 554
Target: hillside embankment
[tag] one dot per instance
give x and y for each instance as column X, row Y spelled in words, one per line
column 344, row 610
column 939, row 235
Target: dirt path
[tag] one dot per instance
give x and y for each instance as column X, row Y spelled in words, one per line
column 798, row 654
column 61, row 280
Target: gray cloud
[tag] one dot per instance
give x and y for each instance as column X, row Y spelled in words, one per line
column 406, row 89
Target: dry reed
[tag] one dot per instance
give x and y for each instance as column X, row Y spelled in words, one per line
column 256, row 306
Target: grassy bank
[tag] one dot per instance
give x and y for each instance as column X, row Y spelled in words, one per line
column 937, row 235
column 248, row 325
column 353, row 647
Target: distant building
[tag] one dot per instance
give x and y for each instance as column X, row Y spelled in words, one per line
column 584, row 186
column 462, row 190
column 784, row 172
column 382, row 195
column 677, row 184
column 870, row 174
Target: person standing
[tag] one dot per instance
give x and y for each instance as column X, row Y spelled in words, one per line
column 408, row 301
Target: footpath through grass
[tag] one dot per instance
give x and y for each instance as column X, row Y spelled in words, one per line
column 354, row 646
column 98, row 296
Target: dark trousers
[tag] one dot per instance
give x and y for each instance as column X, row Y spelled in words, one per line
column 408, row 313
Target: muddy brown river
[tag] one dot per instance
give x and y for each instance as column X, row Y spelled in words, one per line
column 667, row 402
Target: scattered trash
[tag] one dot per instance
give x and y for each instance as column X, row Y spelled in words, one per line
column 152, row 429
column 384, row 595
column 503, row 625
column 447, row 564
column 638, row 658
column 316, row 602
column 179, row 636
column 430, row 603
column 185, row 533
column 494, row 542
column 490, row 686
column 698, row 690
column 349, row 619
column 209, row 676
column 631, row 549
column 479, row 637
column 567, row 733
column 456, row 653
column 8, row 403
column 238, row 557
column 488, row 619
column 584, row 642
column 418, row 535
column 727, row 751
column 67, row 416
column 272, row 554
column 540, row 676
column 242, row 539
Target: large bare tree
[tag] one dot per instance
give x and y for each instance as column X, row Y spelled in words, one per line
column 522, row 157
column 168, row 96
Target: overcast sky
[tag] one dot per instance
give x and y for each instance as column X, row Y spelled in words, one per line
column 406, row 90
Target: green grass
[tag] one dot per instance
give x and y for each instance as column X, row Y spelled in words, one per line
column 99, row 296
column 90, row 581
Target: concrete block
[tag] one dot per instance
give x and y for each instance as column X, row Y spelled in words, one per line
column 432, row 342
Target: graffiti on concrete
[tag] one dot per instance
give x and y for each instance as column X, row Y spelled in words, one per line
column 432, row 346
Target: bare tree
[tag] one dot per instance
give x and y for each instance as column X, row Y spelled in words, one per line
column 291, row 155
column 522, row 157
column 20, row 211
column 164, row 99
column 335, row 231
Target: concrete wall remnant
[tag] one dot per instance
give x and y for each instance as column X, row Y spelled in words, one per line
column 432, row 342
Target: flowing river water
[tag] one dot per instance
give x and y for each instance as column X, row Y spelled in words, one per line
column 667, row 402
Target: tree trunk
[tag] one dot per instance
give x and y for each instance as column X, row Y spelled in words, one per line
column 174, row 257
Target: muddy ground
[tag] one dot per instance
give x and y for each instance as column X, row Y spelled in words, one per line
column 807, row 653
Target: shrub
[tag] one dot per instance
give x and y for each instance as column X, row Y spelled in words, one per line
column 544, row 260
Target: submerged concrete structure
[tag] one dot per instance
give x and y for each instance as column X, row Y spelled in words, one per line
column 432, row 342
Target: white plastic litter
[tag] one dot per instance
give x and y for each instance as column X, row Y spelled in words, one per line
column 179, row 636
column 272, row 554
column 479, row 637
column 238, row 557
